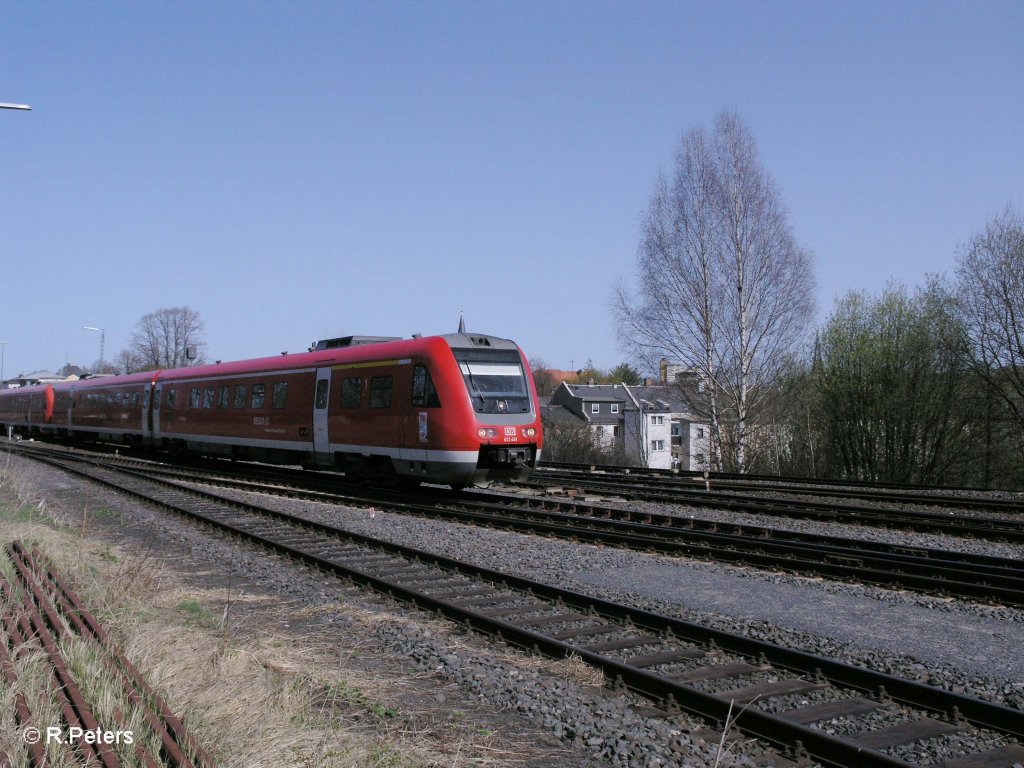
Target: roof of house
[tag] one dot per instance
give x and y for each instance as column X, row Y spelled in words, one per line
column 656, row 399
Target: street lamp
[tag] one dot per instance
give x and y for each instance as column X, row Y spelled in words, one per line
column 3, row 350
column 103, row 342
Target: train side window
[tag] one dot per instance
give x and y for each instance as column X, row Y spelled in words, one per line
column 424, row 395
column 323, row 391
column 208, row 397
column 145, row 398
column 380, row 392
column 194, row 397
column 241, row 393
column 223, row 394
column 134, row 399
column 259, row 394
column 351, row 392
column 279, row 398
column 172, row 395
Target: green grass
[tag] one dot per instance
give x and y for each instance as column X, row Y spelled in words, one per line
column 193, row 608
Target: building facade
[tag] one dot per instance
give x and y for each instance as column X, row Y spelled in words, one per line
column 649, row 425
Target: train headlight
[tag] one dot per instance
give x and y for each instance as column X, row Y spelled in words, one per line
column 487, row 432
column 529, row 432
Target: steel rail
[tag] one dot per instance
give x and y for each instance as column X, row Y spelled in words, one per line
column 976, row 577
column 779, row 731
column 977, row 527
column 905, row 493
column 174, row 738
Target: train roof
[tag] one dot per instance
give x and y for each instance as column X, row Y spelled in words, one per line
column 383, row 350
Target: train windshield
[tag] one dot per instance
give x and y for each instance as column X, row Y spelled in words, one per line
column 496, row 383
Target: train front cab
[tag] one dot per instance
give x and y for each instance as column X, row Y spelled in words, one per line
column 505, row 412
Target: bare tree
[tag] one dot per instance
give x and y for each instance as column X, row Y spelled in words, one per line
column 991, row 289
column 674, row 315
column 126, row 361
column 724, row 288
column 543, row 379
column 168, row 338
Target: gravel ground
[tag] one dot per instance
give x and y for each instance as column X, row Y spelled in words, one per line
column 930, row 631
column 840, row 530
column 910, row 635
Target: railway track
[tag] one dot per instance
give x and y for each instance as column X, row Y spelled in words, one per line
column 43, row 617
column 949, row 523
column 948, row 574
column 845, row 489
column 806, row 706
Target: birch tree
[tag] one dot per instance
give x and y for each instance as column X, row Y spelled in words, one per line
column 723, row 287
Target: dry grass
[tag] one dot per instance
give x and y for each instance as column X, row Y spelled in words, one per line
column 253, row 697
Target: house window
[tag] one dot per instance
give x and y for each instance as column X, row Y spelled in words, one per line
column 675, row 430
column 615, row 431
column 595, row 407
column 658, row 420
column 700, row 432
column 615, row 407
column 657, row 445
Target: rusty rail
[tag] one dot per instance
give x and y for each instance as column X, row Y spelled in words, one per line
column 42, row 612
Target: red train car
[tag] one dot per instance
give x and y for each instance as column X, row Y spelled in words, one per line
column 458, row 409
column 113, row 408
column 26, row 410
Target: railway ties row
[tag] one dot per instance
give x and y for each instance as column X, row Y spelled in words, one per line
column 100, row 712
column 799, row 703
column 989, row 528
column 852, row 490
column 947, row 574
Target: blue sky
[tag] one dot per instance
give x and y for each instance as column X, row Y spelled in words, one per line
column 305, row 170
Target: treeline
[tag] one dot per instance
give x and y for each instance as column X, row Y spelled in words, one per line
column 913, row 386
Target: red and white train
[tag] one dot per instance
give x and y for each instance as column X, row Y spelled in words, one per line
column 459, row 409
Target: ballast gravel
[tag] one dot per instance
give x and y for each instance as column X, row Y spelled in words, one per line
column 951, row 644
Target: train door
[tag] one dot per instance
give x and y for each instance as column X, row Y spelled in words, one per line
column 147, row 417
column 321, row 432
column 155, row 413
